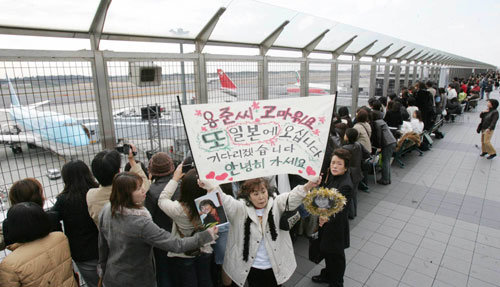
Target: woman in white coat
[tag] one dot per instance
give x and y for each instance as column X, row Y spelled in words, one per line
column 257, row 250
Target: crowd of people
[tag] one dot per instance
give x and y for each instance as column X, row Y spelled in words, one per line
column 141, row 226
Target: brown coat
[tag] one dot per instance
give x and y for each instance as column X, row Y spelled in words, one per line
column 41, row 263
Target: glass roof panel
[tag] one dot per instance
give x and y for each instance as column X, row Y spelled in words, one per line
column 337, row 36
column 179, row 19
column 69, row 15
column 302, row 29
column 247, row 21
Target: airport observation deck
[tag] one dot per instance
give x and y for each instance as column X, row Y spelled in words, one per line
column 437, row 224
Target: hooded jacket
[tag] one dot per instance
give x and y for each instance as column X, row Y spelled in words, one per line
column 41, row 263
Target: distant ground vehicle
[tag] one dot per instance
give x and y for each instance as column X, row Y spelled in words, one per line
column 4, row 193
column 53, row 173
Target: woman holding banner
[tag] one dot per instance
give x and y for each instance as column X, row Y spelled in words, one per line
column 334, row 230
column 257, row 251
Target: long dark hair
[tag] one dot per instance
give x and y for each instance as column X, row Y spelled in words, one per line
column 190, row 190
column 124, row 184
column 77, row 180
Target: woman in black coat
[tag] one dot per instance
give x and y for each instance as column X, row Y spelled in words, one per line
column 358, row 155
column 334, row 231
column 82, row 233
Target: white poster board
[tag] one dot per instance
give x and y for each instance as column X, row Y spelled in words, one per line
column 242, row 140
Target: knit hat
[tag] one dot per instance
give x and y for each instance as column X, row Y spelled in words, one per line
column 161, row 164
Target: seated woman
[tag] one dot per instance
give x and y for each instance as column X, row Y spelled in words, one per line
column 127, row 235
column 334, row 231
column 28, row 190
column 39, row 257
column 417, row 124
column 257, row 251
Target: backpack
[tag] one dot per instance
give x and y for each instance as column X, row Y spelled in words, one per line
column 383, row 135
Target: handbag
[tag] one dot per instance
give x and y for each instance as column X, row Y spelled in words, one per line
column 314, row 250
column 289, row 217
column 479, row 127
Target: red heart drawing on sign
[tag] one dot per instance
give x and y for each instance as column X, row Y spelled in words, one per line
column 210, row 175
column 300, row 171
column 310, row 171
column 221, row 176
column 230, row 179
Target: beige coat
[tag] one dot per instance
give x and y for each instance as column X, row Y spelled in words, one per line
column 40, row 263
column 98, row 197
column 174, row 210
column 280, row 252
column 365, row 132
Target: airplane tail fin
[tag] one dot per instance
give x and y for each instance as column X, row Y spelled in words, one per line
column 297, row 75
column 14, row 100
column 225, row 81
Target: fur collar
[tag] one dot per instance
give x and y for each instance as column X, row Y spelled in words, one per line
column 136, row 211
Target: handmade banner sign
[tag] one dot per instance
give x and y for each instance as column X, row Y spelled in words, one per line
column 324, row 201
column 243, row 140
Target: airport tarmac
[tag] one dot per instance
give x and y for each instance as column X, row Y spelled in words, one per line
column 34, row 162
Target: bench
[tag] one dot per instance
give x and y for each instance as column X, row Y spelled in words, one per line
column 407, row 146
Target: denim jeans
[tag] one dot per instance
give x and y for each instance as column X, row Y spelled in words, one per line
column 220, row 244
column 193, row 272
column 387, row 152
column 88, row 271
column 164, row 270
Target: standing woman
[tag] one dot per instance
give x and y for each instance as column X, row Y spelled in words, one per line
column 364, row 129
column 191, row 270
column 127, row 235
column 82, row 233
column 489, row 120
column 334, row 231
column 257, row 251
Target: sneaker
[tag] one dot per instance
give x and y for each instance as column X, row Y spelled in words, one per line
column 492, row 156
column 483, row 154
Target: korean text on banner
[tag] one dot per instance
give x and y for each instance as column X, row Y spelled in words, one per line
column 243, row 140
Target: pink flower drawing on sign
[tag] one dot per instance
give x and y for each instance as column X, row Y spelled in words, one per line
column 255, row 105
column 322, row 120
column 203, row 129
column 197, row 113
column 316, row 132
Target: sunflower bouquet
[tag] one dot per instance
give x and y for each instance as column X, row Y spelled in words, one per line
column 324, row 201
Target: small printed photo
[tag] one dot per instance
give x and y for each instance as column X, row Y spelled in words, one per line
column 323, row 202
column 211, row 209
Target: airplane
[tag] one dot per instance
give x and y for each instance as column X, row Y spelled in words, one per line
column 59, row 133
column 314, row 88
column 230, row 88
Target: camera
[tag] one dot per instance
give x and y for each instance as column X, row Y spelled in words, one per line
column 125, row 149
column 187, row 164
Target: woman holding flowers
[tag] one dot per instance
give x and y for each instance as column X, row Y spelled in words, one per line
column 257, row 250
column 334, row 230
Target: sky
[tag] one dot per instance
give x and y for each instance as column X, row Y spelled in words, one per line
column 463, row 27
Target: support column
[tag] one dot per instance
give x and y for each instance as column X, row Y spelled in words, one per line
column 387, row 70
column 103, row 101
column 414, row 74
column 200, row 75
column 407, row 74
column 334, row 76
column 373, row 77
column 263, row 79
column 355, row 85
column 304, row 78
column 397, row 76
